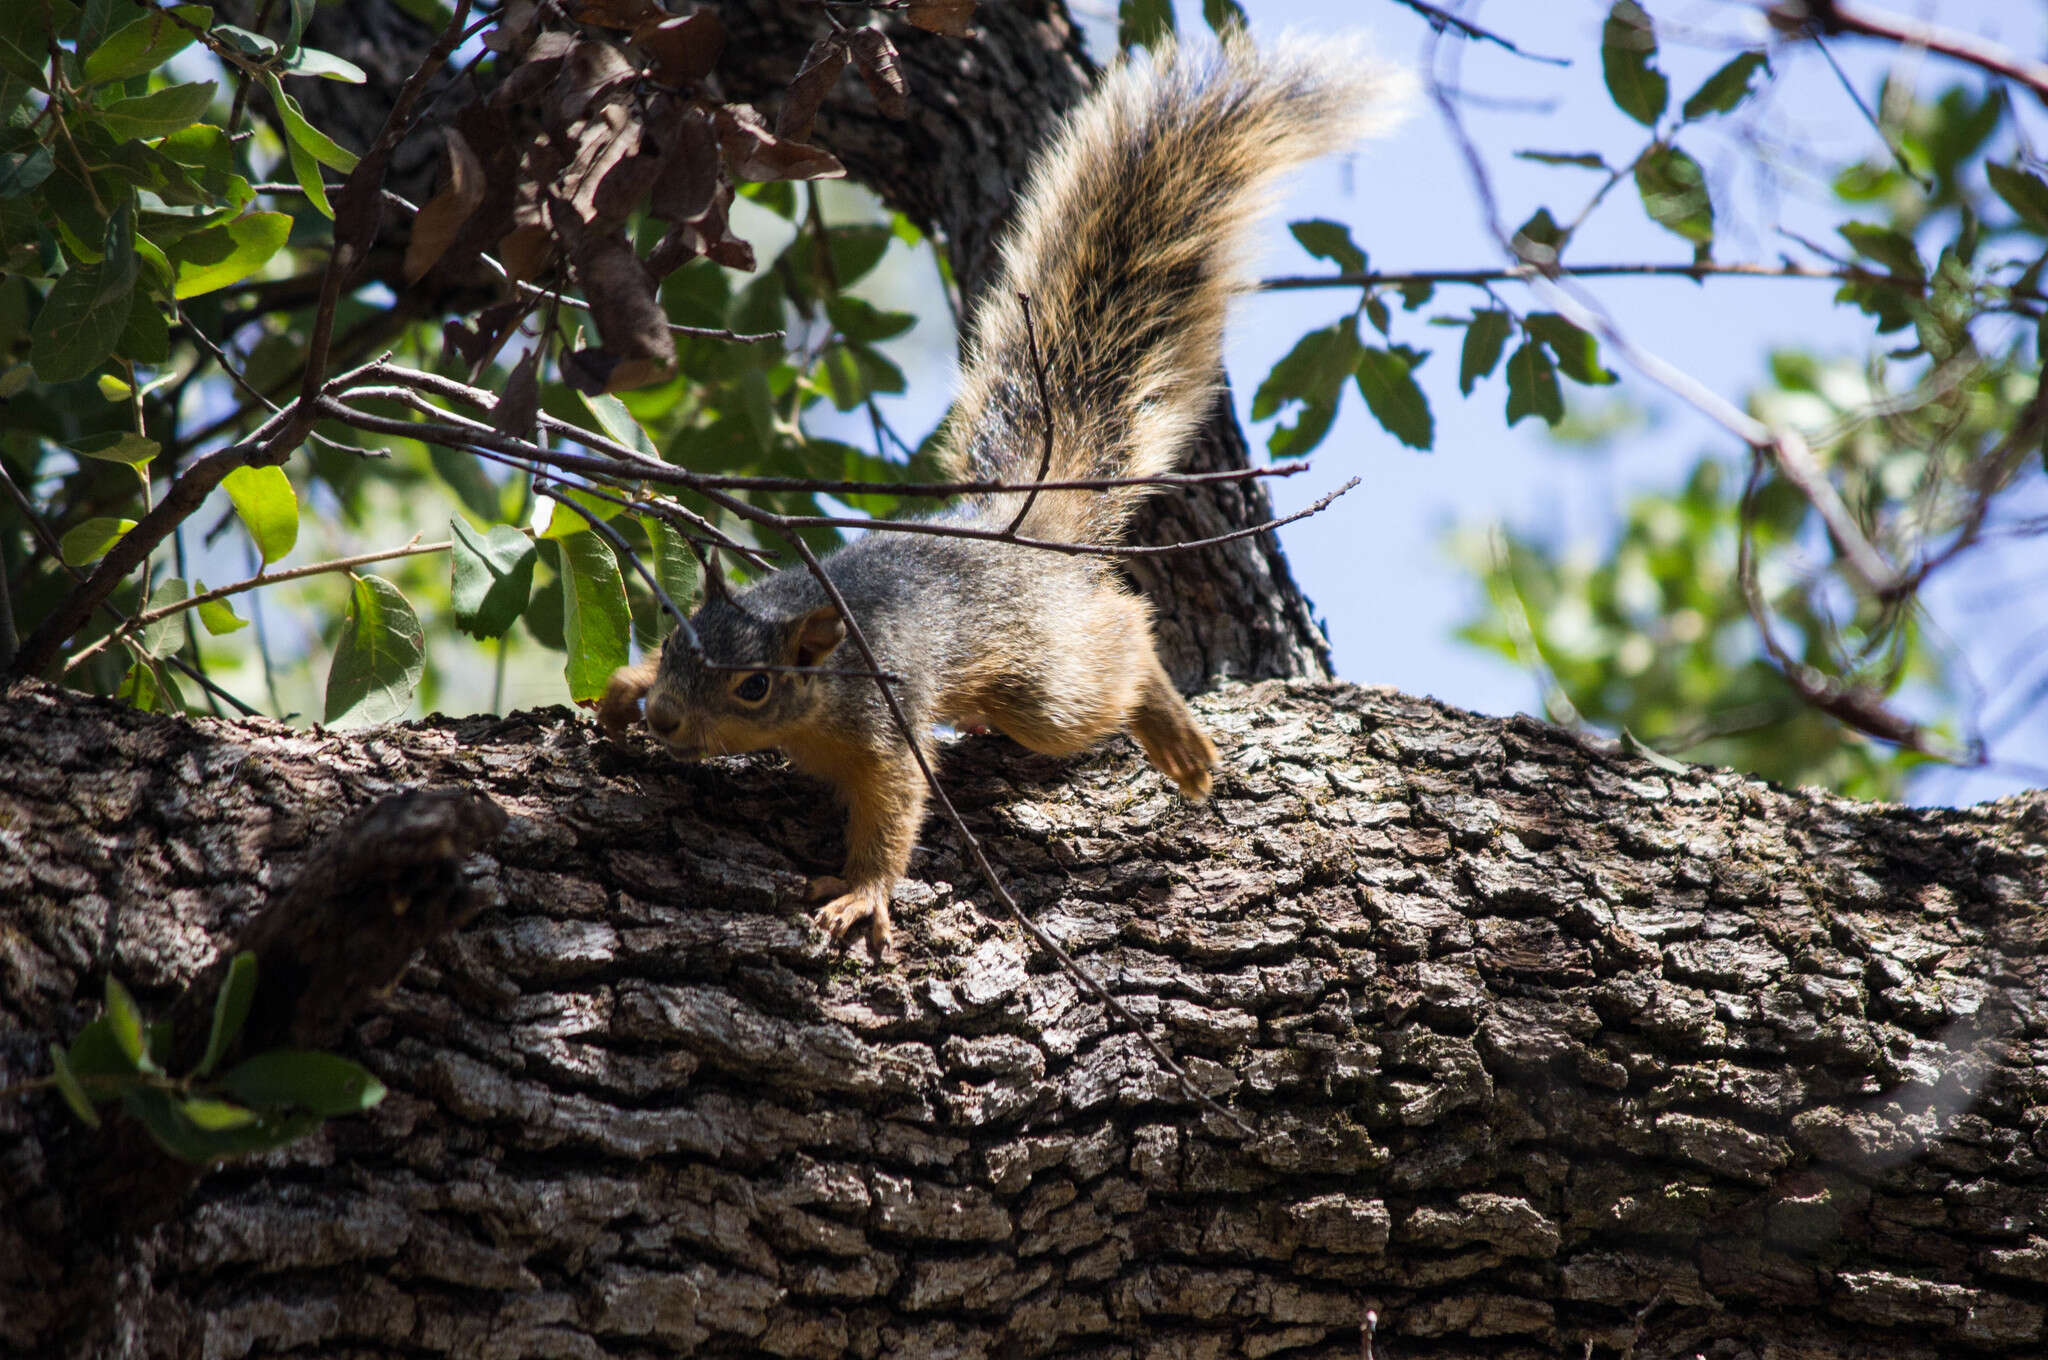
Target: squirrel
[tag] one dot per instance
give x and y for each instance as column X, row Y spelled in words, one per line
column 1129, row 241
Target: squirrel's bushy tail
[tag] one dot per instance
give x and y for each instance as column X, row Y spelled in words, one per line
column 1130, row 238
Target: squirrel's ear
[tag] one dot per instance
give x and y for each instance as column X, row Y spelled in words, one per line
column 714, row 579
column 815, row 636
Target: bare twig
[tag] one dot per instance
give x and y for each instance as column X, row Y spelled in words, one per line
column 1528, row 273
column 1844, row 16
column 1045, row 415
column 1443, row 20
column 413, row 549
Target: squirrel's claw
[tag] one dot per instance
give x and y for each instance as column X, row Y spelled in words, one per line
column 861, row 902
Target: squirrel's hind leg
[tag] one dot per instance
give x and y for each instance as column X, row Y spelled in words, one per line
column 1172, row 740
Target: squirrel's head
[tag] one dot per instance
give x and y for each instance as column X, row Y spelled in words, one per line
column 720, row 704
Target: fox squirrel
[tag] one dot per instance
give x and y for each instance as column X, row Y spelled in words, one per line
column 1128, row 241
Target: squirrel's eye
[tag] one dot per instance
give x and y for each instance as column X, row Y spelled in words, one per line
column 753, row 689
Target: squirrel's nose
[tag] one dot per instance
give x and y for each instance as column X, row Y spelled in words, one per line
column 664, row 715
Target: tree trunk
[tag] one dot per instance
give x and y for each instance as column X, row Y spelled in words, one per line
column 1539, row 1049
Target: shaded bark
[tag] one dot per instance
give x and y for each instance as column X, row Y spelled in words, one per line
column 1540, row 1048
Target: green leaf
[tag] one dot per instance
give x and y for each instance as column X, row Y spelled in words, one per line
column 301, row 1079
column 250, row 44
column 71, row 1088
column 492, row 577
column 1892, row 249
column 167, row 1120
column 158, row 113
column 318, row 144
column 597, row 627
column 1390, row 392
column 1532, row 385
column 96, row 1053
column 268, row 507
column 1330, row 241
column 1590, row 160
column 306, row 170
column 617, row 423
column 1727, row 87
column 218, row 615
column 2023, row 192
column 90, row 541
column 1223, row 15
column 218, row 256
column 147, row 43
column 124, row 1022
column 302, row 14
column 564, row 520
column 1312, row 373
column 147, row 686
column 87, row 310
column 850, row 373
column 1577, row 351
column 117, row 446
column 1485, row 338
column 1540, row 238
column 311, row 61
column 230, row 1009
column 167, row 630
column 1674, row 192
column 674, row 565
column 378, row 658
column 215, row 1116
column 22, row 171
column 1628, row 56
column 1143, row 23
column 146, row 339
column 857, row 319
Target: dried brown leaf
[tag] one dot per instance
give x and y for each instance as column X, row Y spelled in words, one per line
column 525, row 251
column 603, row 142
column 519, row 404
column 685, row 49
column 621, row 14
column 814, row 80
column 753, row 152
column 593, row 74
column 514, row 29
column 876, row 57
column 543, row 65
column 690, row 169
column 439, row 222
column 623, row 302
column 708, row 235
column 949, row 17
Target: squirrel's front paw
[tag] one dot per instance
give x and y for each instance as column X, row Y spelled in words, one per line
column 619, row 709
column 858, row 902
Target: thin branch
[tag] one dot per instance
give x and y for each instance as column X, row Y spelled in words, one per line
column 1786, row 446
column 1529, row 273
column 1844, row 16
column 413, row 549
column 1045, row 412
column 1442, row 20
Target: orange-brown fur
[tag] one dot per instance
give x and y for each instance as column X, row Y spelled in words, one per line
column 1129, row 241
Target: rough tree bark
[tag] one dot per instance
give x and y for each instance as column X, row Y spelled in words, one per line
column 1539, row 1048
